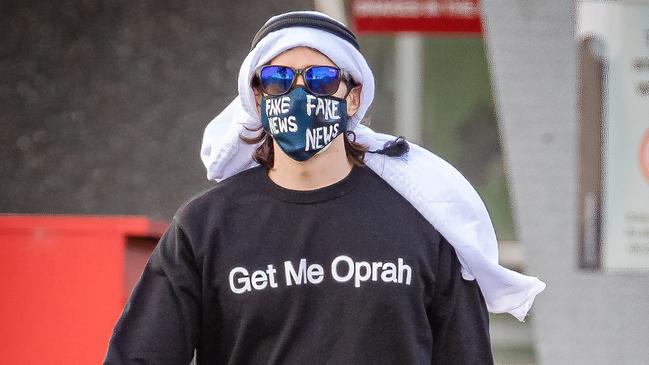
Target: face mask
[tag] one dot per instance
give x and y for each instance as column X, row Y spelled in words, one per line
column 303, row 124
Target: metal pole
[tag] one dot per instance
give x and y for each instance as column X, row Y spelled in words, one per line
column 409, row 81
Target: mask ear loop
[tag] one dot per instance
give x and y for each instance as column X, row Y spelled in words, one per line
column 398, row 147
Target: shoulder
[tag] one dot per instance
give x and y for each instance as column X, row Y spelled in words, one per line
column 216, row 198
column 391, row 202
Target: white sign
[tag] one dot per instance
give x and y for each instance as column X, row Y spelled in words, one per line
column 623, row 26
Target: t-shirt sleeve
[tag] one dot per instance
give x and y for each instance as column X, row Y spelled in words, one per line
column 458, row 315
column 161, row 320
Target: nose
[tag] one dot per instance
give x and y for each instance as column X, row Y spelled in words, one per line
column 300, row 79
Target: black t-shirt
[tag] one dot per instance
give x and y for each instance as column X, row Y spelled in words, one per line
column 250, row 272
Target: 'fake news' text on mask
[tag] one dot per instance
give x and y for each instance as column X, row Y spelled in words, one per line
column 303, row 124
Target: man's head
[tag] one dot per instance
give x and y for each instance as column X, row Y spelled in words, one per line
column 300, row 40
column 300, row 58
column 224, row 150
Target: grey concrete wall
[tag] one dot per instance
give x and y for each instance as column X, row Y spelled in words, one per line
column 581, row 317
column 104, row 102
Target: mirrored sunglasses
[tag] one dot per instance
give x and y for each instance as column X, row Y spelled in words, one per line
column 278, row 80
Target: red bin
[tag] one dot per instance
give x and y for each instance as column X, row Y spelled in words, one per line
column 65, row 280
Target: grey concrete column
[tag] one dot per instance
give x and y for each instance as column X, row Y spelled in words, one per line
column 582, row 317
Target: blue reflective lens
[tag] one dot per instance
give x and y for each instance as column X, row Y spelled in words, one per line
column 322, row 80
column 319, row 80
column 276, row 80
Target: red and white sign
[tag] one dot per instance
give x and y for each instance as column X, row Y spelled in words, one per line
column 644, row 155
column 436, row 16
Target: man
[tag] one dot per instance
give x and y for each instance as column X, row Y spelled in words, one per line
column 307, row 254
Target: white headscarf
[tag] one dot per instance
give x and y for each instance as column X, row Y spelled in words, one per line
column 434, row 187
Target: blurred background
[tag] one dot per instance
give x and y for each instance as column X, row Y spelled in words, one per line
column 543, row 106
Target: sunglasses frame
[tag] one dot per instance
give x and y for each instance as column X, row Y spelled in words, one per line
column 343, row 76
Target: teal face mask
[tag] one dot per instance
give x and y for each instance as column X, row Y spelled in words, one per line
column 303, row 124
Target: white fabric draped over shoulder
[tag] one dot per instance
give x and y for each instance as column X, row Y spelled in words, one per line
column 435, row 188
